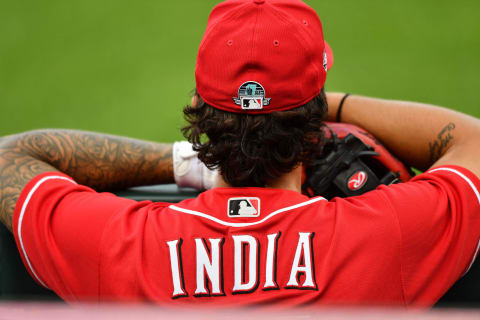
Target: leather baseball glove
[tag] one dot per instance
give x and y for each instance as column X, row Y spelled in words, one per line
column 352, row 163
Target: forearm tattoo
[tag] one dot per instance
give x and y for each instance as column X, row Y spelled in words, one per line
column 438, row 146
column 16, row 169
column 100, row 161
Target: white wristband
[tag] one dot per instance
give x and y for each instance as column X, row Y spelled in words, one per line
column 188, row 170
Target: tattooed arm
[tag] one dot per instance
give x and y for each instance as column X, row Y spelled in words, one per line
column 421, row 135
column 99, row 161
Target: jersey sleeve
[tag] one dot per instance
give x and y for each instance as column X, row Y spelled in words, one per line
column 58, row 227
column 439, row 219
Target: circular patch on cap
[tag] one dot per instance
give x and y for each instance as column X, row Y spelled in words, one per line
column 357, row 180
column 251, row 96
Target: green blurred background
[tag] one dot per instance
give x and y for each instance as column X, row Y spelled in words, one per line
column 127, row 67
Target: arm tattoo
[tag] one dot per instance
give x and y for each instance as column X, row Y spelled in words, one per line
column 16, row 169
column 437, row 147
column 100, row 161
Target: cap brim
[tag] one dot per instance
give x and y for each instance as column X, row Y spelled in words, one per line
column 329, row 52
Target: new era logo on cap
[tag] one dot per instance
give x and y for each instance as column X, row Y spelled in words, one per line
column 243, row 207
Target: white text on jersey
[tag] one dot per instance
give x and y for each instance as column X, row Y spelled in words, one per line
column 246, row 264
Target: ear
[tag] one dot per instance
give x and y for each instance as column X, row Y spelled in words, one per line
column 194, row 100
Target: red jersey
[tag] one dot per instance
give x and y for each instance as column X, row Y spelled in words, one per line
column 404, row 244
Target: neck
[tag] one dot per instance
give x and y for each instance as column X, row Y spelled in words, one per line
column 289, row 181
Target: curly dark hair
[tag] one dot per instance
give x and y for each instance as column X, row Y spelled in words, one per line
column 251, row 150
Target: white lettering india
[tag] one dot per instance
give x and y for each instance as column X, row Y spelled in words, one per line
column 246, row 265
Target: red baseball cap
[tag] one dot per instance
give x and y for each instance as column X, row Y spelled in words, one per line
column 261, row 56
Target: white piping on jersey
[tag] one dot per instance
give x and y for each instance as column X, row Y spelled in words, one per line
column 470, row 183
column 473, row 259
column 20, row 220
column 245, row 224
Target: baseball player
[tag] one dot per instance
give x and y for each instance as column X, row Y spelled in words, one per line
column 253, row 239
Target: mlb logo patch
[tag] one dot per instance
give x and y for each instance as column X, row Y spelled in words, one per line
column 243, row 207
column 253, row 103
